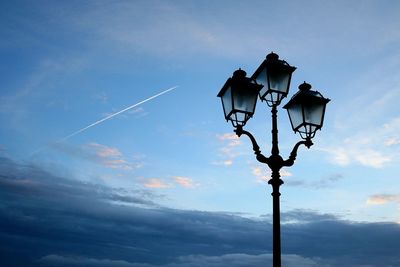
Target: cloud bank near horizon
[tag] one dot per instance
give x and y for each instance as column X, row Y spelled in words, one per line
column 47, row 220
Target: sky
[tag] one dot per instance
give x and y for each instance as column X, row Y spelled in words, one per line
column 167, row 182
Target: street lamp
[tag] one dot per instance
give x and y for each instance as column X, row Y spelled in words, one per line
column 306, row 110
column 239, row 97
column 275, row 76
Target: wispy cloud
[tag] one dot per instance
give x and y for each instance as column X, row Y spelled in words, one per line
column 184, row 181
column 110, row 157
column 106, row 156
column 391, row 141
column 155, row 183
column 103, row 151
column 353, row 153
column 173, row 181
column 381, row 199
column 227, row 162
column 180, row 29
column 228, row 151
column 324, row 182
column 264, row 174
column 36, row 87
column 231, row 137
column 374, row 147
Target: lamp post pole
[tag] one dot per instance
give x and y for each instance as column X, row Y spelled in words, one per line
column 306, row 111
column 275, row 182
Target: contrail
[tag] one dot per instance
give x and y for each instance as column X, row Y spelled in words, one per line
column 106, row 118
column 116, row 113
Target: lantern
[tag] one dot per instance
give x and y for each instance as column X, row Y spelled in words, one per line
column 239, row 97
column 275, row 75
column 306, row 111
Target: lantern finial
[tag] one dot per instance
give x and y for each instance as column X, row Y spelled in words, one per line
column 239, row 74
column 304, row 86
column 272, row 56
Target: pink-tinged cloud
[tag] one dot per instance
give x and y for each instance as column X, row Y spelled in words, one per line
column 104, row 151
column 231, row 139
column 392, row 141
column 184, row 181
column 227, row 162
column 110, row 157
column 156, row 183
column 381, row 199
column 264, row 174
column 228, row 151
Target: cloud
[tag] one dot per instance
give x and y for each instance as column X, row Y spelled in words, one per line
column 47, row 220
column 264, row 174
column 41, row 87
column 392, row 141
column 227, row 162
column 239, row 260
column 360, row 150
column 233, row 260
column 324, row 182
column 184, row 181
column 230, row 140
column 177, row 26
column 228, row 151
column 109, row 157
column 156, row 183
column 366, row 129
column 306, row 216
column 71, row 261
column 104, row 151
column 181, row 181
column 381, row 199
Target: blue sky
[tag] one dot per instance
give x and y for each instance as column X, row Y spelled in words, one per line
column 65, row 65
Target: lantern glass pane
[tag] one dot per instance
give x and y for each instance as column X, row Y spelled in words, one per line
column 262, row 79
column 239, row 118
column 295, row 115
column 313, row 114
column 307, row 131
column 227, row 101
column 244, row 100
column 279, row 81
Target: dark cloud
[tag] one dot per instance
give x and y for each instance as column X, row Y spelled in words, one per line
column 231, row 260
column 46, row 220
column 324, row 182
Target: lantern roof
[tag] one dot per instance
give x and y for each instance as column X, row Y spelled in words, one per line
column 272, row 60
column 306, row 96
column 239, row 79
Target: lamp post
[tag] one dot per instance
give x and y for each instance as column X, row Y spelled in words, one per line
column 306, row 110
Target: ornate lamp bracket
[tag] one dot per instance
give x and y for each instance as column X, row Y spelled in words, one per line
column 259, row 156
column 290, row 161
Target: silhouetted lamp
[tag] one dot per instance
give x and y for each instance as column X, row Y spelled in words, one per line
column 275, row 75
column 239, row 97
column 306, row 111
